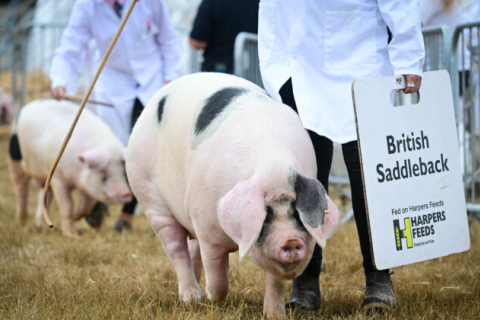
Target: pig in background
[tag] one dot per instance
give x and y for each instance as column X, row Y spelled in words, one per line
column 7, row 108
column 214, row 159
column 93, row 161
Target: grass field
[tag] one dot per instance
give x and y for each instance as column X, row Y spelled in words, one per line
column 106, row 275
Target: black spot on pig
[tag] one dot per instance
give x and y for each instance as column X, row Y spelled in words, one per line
column 311, row 201
column 161, row 105
column 214, row 105
column 293, row 213
column 14, row 148
column 266, row 226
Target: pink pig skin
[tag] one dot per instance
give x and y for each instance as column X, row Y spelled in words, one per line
column 93, row 161
column 225, row 185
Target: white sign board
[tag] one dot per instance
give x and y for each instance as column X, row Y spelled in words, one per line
column 411, row 171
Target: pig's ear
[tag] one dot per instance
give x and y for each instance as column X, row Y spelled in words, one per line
column 96, row 158
column 241, row 213
column 317, row 211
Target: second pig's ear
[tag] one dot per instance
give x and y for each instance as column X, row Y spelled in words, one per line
column 241, row 213
column 317, row 211
column 96, row 158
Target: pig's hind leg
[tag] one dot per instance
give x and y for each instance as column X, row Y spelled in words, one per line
column 20, row 181
column 174, row 241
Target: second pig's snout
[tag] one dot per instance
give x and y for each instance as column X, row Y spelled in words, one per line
column 292, row 251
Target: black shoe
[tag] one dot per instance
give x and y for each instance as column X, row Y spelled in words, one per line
column 379, row 292
column 96, row 216
column 305, row 293
column 122, row 225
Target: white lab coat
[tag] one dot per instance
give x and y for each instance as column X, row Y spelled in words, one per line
column 325, row 45
column 146, row 54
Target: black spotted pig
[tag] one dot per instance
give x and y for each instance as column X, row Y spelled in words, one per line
column 213, row 158
column 93, row 161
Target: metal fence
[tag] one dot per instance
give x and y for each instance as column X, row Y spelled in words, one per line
column 245, row 58
column 38, row 43
column 437, row 48
column 7, row 49
column 465, row 75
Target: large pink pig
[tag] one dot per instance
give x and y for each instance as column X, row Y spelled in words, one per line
column 213, row 158
column 93, row 161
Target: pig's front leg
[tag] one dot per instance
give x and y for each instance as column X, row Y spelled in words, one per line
column 39, row 220
column 85, row 206
column 274, row 303
column 215, row 264
column 195, row 256
column 65, row 203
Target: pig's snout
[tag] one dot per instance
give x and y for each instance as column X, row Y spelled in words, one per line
column 120, row 196
column 292, row 251
column 126, row 196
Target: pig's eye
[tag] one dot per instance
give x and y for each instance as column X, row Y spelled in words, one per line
column 269, row 217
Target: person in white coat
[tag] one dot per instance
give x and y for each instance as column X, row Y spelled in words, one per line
column 310, row 52
column 145, row 57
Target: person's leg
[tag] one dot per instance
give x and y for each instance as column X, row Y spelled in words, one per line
column 126, row 217
column 379, row 286
column 305, row 291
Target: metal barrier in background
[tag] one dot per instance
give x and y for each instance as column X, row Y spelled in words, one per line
column 191, row 58
column 437, row 48
column 38, row 43
column 465, row 52
column 245, row 58
column 7, row 49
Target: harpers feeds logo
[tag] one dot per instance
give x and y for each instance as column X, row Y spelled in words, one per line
column 405, row 233
column 418, row 230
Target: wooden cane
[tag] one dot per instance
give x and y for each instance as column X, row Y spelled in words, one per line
column 77, row 99
column 79, row 112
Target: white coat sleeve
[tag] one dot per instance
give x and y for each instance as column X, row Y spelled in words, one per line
column 169, row 44
column 406, row 49
column 69, row 58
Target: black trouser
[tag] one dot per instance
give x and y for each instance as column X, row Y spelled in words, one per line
column 129, row 208
column 324, row 154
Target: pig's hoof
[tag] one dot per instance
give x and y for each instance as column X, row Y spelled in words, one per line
column 99, row 212
column 277, row 312
column 191, row 295
column 73, row 235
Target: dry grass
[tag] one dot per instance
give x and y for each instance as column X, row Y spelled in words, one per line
column 106, row 275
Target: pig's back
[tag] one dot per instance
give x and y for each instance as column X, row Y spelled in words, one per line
column 42, row 126
column 214, row 130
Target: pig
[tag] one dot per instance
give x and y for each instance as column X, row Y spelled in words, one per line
column 93, row 161
column 214, row 159
column 7, row 108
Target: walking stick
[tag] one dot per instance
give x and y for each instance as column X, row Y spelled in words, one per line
column 82, row 105
column 77, row 98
